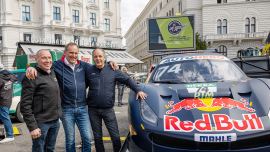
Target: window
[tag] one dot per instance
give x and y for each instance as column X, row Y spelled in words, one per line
column 76, row 16
column 180, row 6
column 56, row 13
column 253, row 25
column 58, row 38
column 106, row 3
column 222, row 49
column 93, row 19
column 107, row 24
column 221, row 1
column 93, row 41
column 27, row 37
column 250, row 25
column 108, row 43
column 219, row 27
column 247, row 29
column 26, row 13
column 172, row 11
column 76, row 39
column 160, row 5
column 224, row 26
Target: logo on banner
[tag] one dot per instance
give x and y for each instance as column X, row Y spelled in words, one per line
column 175, row 27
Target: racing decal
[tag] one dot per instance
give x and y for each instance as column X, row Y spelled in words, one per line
column 208, row 104
column 176, row 59
column 221, row 123
column 229, row 137
column 203, row 90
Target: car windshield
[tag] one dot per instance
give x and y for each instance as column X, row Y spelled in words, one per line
column 198, row 70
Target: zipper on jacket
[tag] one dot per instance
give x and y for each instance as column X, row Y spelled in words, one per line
column 74, row 76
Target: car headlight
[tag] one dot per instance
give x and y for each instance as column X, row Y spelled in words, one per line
column 148, row 114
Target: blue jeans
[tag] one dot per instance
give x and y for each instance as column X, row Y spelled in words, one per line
column 4, row 116
column 109, row 118
column 79, row 116
column 46, row 142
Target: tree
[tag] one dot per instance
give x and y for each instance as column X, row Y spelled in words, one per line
column 266, row 49
column 200, row 44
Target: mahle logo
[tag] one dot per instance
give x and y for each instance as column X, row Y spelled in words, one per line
column 175, row 27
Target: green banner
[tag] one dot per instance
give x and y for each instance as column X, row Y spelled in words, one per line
column 173, row 33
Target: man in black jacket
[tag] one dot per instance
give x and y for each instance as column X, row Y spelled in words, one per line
column 6, row 81
column 101, row 97
column 41, row 104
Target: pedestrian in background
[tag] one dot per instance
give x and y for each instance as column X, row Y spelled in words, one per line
column 121, row 88
column 6, row 84
column 101, row 97
column 41, row 104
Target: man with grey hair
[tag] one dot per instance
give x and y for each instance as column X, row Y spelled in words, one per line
column 41, row 104
column 101, row 80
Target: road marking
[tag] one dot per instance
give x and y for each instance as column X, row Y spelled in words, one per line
column 16, row 131
column 109, row 138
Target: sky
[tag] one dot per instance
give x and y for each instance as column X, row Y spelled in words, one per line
column 130, row 9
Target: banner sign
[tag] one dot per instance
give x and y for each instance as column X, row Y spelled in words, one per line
column 171, row 34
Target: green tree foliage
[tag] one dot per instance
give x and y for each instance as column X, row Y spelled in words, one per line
column 200, row 44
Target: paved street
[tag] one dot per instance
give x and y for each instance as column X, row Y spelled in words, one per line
column 23, row 143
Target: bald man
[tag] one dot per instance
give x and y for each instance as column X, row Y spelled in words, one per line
column 41, row 104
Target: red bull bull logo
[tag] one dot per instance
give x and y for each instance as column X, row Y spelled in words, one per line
column 221, row 122
column 208, row 104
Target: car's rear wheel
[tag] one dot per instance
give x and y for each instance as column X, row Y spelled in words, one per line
column 18, row 114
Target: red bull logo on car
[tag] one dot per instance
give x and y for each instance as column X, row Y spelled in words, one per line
column 208, row 104
column 221, row 122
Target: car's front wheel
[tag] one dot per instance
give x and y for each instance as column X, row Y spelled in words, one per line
column 18, row 114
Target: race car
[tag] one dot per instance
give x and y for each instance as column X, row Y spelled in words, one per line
column 200, row 102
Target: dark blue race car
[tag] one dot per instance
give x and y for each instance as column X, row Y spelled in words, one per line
column 200, row 102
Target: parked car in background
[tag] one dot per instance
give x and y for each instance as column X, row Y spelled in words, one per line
column 17, row 88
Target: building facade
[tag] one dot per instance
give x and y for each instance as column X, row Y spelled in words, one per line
column 227, row 25
column 86, row 22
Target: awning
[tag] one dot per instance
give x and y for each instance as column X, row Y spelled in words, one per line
column 121, row 57
column 56, row 51
column 85, row 54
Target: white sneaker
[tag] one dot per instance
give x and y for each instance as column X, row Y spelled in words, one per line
column 6, row 140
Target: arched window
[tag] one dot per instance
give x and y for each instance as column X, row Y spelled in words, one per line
column 219, row 27
column 222, row 49
column 224, row 26
column 253, row 25
column 247, row 25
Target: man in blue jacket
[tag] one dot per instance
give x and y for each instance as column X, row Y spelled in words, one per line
column 70, row 73
column 101, row 97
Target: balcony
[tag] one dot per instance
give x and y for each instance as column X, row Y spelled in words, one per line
column 236, row 36
column 56, row 23
column 94, row 28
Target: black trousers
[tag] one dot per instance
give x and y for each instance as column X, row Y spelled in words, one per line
column 121, row 89
column 108, row 116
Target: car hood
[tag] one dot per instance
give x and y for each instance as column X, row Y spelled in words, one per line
column 219, row 107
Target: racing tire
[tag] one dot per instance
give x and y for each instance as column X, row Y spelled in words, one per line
column 18, row 114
